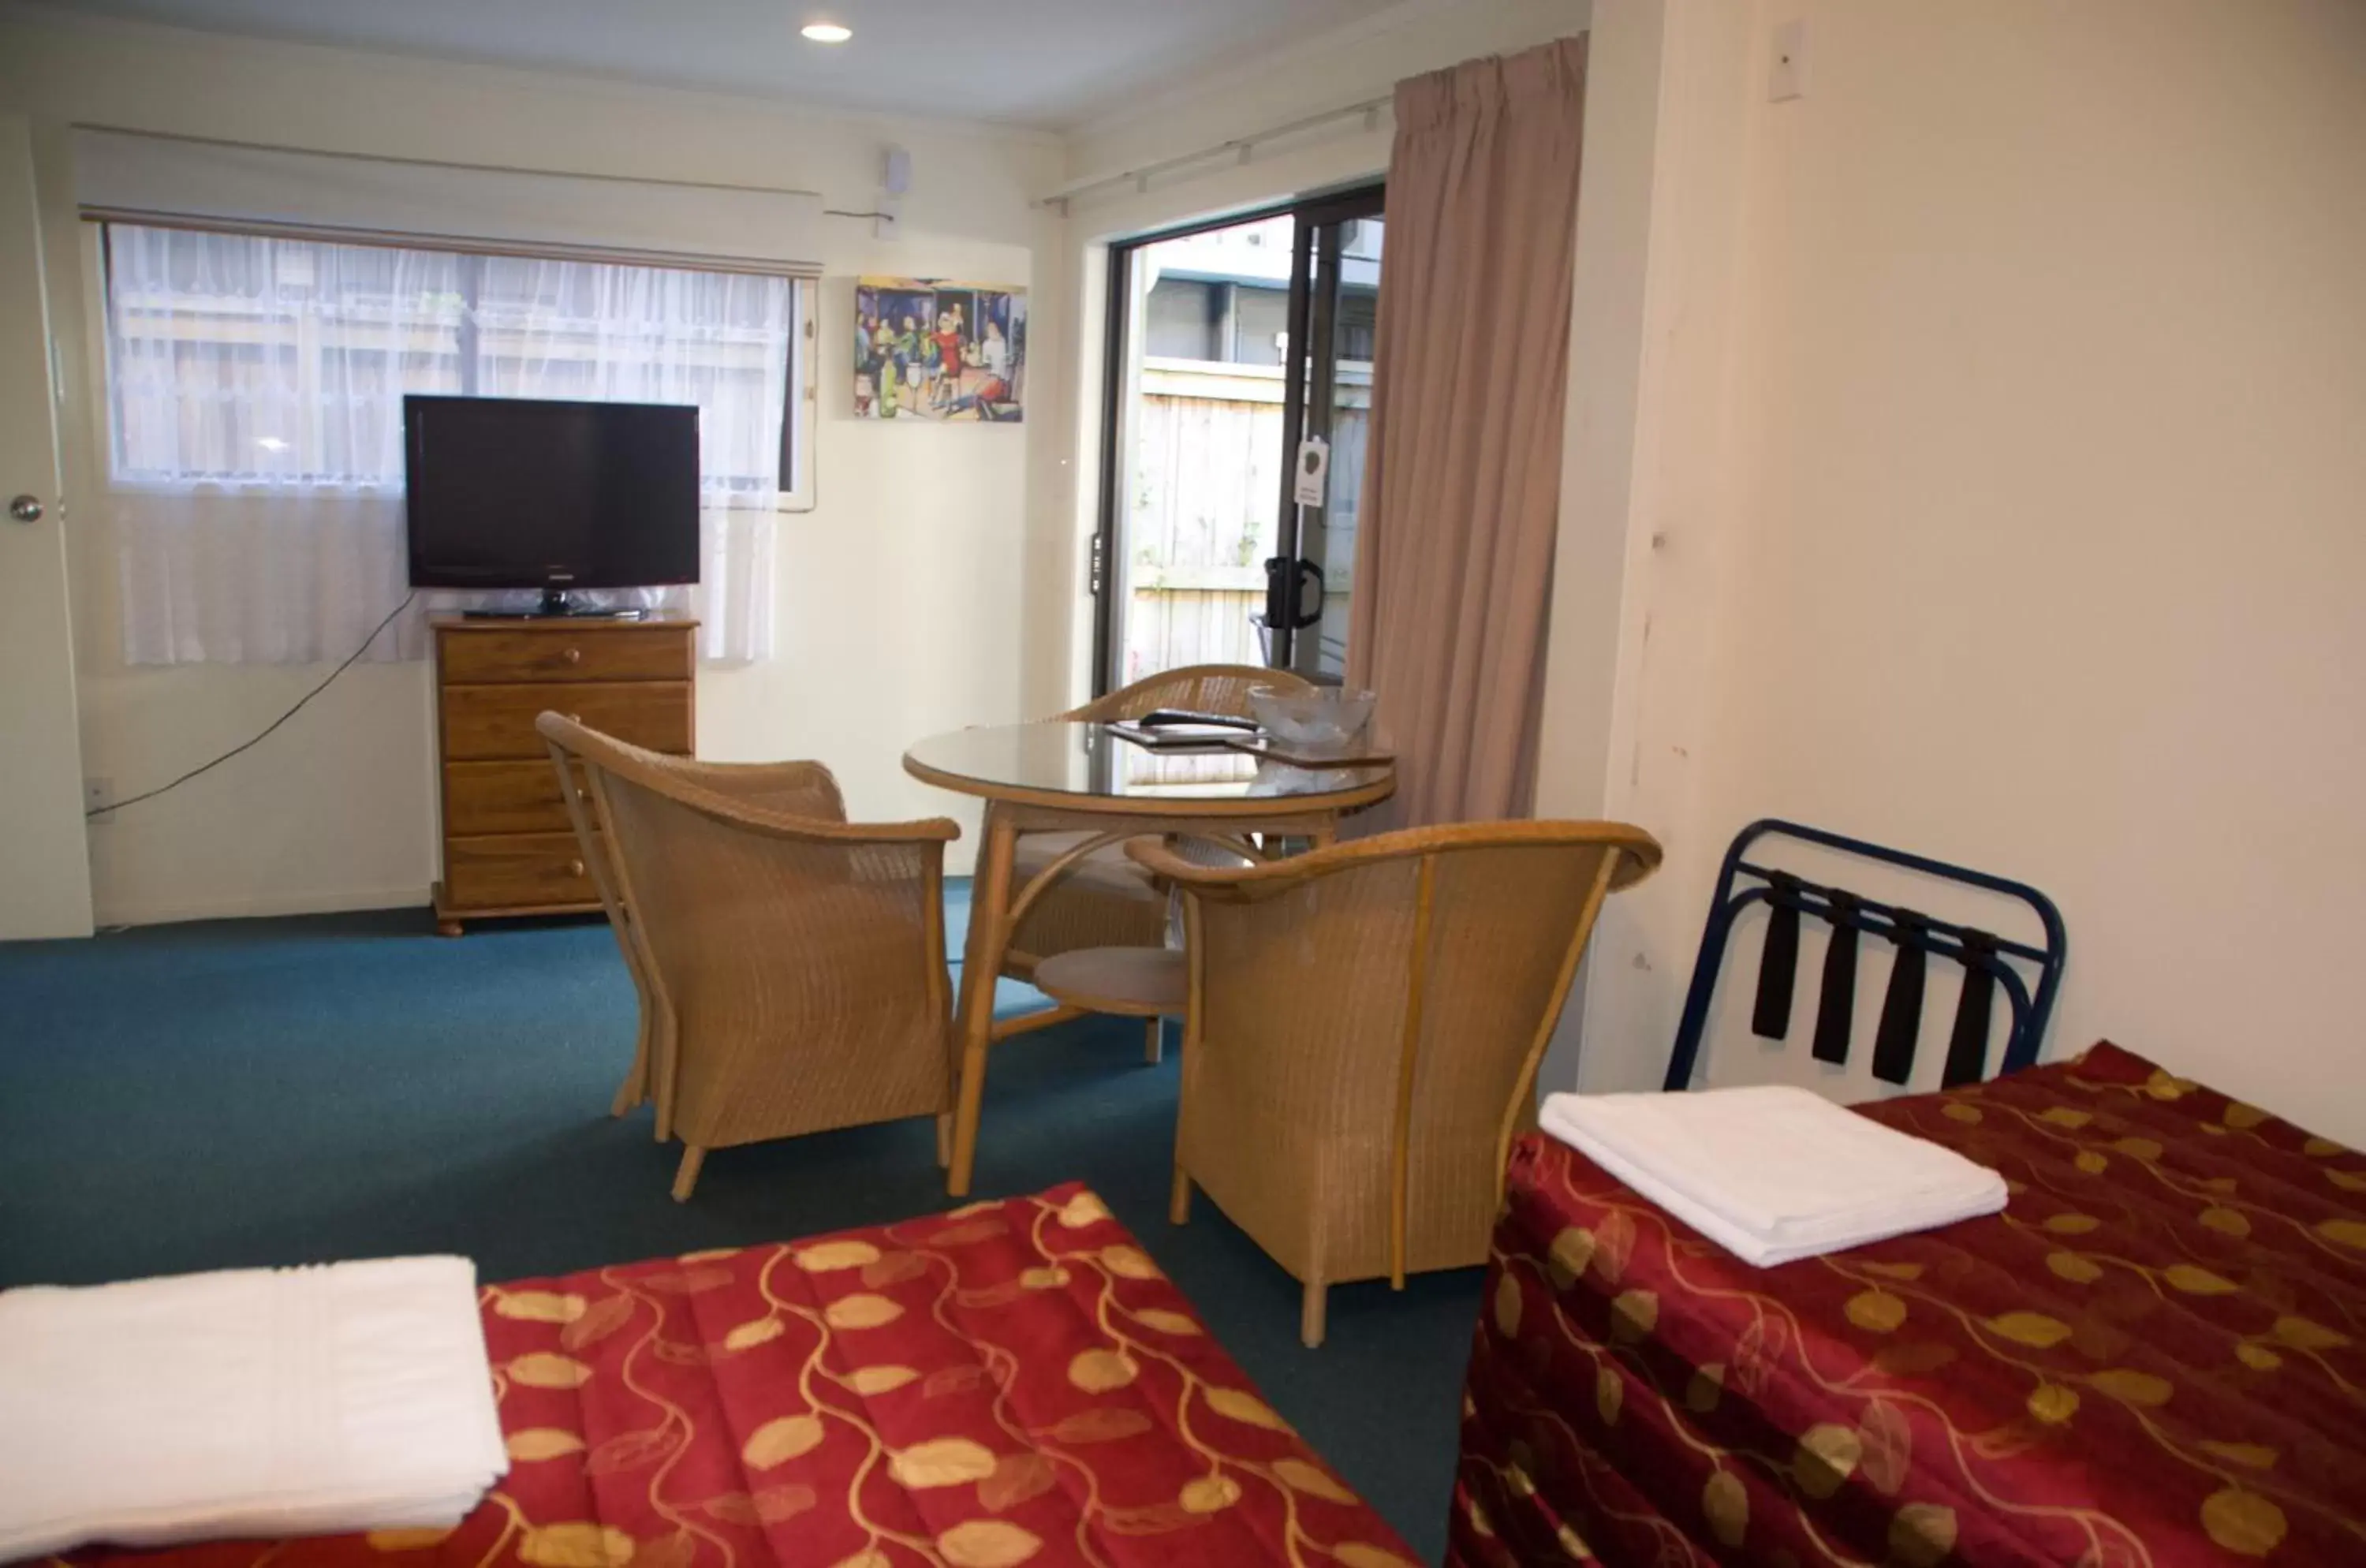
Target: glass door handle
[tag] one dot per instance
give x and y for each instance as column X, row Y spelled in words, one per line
column 1276, row 592
column 1306, row 618
column 1281, row 574
column 1283, row 607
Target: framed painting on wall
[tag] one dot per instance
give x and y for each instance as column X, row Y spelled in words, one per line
column 928, row 348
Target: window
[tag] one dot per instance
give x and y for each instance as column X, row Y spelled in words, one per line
column 253, row 385
column 252, row 360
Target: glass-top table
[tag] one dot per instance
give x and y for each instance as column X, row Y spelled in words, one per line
column 1081, row 766
column 1076, row 778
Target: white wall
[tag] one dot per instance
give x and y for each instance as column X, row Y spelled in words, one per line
column 2036, row 544
column 928, row 589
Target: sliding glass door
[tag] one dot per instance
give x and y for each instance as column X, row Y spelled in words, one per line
column 1335, row 297
column 1240, row 374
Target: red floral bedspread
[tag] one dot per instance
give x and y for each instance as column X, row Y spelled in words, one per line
column 1013, row 1382
column 2153, row 1357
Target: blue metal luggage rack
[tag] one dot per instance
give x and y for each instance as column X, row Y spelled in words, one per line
column 1988, row 960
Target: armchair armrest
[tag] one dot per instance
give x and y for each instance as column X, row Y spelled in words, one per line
column 1638, row 852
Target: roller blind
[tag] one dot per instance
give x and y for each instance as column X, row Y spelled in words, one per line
column 130, row 177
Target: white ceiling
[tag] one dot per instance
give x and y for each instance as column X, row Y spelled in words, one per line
column 1048, row 63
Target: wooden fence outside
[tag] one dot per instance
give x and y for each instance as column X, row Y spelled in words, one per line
column 1207, row 477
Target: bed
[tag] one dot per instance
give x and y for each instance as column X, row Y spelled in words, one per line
column 2157, row 1355
column 1013, row 1382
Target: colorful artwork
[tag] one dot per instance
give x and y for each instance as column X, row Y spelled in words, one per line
column 925, row 348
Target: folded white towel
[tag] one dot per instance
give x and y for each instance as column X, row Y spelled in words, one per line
column 253, row 1402
column 1772, row 1174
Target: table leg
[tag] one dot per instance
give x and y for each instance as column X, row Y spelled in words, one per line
column 989, row 937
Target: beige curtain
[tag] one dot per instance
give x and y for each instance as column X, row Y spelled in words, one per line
column 1463, row 478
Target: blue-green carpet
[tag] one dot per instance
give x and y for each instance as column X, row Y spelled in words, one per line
column 281, row 1091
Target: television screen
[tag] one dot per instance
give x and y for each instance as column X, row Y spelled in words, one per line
column 514, row 492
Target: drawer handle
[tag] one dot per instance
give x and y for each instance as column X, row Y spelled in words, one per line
column 575, row 868
column 573, row 656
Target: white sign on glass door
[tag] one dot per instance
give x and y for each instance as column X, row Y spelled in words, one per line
column 1313, row 471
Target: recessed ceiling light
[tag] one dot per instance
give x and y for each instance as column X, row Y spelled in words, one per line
column 826, row 32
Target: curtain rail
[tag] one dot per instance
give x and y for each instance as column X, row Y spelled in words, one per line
column 335, row 234
column 1242, row 148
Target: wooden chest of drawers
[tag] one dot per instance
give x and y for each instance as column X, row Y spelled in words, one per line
column 508, row 847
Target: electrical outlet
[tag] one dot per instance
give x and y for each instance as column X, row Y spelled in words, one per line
column 98, row 798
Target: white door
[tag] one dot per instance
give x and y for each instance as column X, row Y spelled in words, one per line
column 44, row 855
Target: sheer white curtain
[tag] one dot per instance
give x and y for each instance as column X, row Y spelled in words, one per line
column 257, row 389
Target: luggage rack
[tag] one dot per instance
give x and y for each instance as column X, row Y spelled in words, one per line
column 1989, row 961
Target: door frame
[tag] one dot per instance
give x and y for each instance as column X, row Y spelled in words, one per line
column 1361, row 198
column 1308, row 381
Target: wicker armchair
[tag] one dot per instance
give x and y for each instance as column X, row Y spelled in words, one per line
column 800, row 789
column 1365, row 1026
column 1107, row 900
column 791, row 966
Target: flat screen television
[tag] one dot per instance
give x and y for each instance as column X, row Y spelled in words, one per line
column 517, row 492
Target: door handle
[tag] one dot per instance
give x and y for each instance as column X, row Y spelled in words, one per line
column 1276, row 585
column 1307, row 617
column 1284, row 607
column 26, row 509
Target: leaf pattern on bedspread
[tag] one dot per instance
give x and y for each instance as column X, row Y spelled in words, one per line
column 1013, row 1384
column 2156, row 1357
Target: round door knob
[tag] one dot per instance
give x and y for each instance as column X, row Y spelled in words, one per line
column 26, row 509
column 575, row 868
column 573, row 656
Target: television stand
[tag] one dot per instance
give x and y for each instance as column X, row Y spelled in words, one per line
column 555, row 605
column 509, row 845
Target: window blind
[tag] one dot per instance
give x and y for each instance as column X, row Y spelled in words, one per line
column 130, row 176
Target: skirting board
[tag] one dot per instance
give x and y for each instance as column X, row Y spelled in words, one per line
column 414, row 896
column 110, row 913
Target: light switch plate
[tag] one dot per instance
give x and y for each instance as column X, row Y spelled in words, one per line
column 1787, row 63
